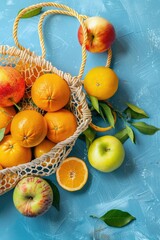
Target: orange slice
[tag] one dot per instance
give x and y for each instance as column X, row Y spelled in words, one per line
column 72, row 174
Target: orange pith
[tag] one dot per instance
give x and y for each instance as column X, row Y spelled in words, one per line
column 72, row 174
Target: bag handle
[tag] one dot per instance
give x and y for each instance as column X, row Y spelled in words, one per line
column 67, row 11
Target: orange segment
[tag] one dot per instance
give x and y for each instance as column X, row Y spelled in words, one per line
column 72, row 174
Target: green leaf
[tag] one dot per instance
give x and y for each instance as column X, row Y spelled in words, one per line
column 90, row 134
column 145, row 128
column 108, row 113
column 56, row 195
column 2, row 131
column 134, row 115
column 116, row 218
column 81, row 137
column 95, row 103
column 122, row 135
column 102, row 115
column 31, row 13
column 88, row 143
column 130, row 133
column 137, row 109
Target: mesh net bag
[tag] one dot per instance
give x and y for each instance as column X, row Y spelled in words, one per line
column 32, row 66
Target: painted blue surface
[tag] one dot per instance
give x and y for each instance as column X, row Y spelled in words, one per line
column 134, row 187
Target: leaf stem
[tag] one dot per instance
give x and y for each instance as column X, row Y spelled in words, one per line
column 11, row 99
column 92, row 216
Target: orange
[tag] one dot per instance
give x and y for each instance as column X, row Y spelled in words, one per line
column 101, row 82
column 29, row 71
column 1, row 167
column 50, row 92
column 6, row 115
column 12, row 154
column 72, row 174
column 44, row 147
column 61, row 125
column 28, row 128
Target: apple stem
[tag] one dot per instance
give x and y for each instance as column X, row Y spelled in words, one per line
column 29, row 197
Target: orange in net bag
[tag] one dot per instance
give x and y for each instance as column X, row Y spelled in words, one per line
column 32, row 67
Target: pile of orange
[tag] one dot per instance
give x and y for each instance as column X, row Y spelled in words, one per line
column 28, row 129
column 30, row 133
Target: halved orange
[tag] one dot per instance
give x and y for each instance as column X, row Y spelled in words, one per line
column 72, row 174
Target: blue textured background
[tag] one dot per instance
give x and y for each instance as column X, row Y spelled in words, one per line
column 134, row 187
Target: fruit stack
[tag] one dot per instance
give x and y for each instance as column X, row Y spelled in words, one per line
column 28, row 129
column 38, row 111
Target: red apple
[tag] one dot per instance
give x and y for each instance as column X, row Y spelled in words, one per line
column 32, row 196
column 100, row 34
column 12, row 86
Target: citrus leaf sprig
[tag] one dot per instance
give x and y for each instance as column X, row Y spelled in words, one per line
column 130, row 117
column 116, row 218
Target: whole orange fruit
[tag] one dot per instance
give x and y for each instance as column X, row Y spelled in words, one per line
column 61, row 125
column 12, row 86
column 6, row 115
column 12, row 154
column 50, row 92
column 101, row 82
column 28, row 128
column 44, row 147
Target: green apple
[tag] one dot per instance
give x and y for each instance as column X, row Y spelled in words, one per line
column 32, row 196
column 106, row 153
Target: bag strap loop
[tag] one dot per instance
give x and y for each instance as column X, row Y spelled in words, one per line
column 66, row 11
